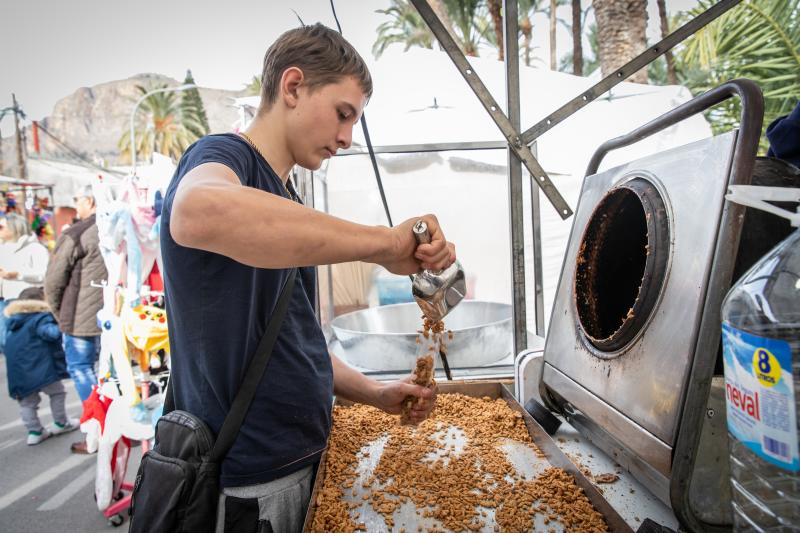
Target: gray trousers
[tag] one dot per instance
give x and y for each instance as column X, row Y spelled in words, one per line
column 29, row 405
column 282, row 504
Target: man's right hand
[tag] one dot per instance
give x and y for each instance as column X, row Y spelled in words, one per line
column 406, row 257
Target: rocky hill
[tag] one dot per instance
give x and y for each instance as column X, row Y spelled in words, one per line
column 92, row 119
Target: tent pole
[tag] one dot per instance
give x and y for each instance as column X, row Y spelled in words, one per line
column 515, row 192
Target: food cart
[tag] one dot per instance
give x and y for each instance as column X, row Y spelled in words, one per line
column 624, row 383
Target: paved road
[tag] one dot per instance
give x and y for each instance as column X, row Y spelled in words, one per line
column 45, row 488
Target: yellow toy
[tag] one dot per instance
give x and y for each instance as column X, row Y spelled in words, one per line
column 145, row 331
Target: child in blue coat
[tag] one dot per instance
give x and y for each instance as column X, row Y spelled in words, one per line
column 36, row 363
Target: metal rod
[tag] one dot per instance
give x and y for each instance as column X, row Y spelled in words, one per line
column 752, row 117
column 515, row 208
column 425, row 147
column 538, row 275
column 626, row 70
column 445, row 364
column 509, row 132
column 375, row 169
column 329, row 268
column 309, row 176
column 719, row 281
column 21, row 170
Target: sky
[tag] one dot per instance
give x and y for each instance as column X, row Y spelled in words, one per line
column 50, row 48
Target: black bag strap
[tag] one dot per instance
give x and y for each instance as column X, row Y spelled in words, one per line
column 252, row 377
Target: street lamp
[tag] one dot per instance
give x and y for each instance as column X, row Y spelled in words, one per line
column 135, row 107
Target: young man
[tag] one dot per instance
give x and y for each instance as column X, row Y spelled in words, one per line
column 232, row 228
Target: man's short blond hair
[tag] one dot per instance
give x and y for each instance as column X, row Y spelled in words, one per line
column 321, row 53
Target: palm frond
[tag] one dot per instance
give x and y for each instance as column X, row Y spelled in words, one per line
column 405, row 26
column 759, row 40
column 161, row 125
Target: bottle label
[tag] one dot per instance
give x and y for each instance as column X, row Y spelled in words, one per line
column 759, row 394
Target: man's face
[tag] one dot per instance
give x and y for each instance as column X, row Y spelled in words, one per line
column 322, row 122
column 84, row 205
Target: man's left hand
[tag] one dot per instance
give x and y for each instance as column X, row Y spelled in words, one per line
column 391, row 395
column 10, row 275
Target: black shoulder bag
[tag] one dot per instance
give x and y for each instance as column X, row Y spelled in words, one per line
column 177, row 485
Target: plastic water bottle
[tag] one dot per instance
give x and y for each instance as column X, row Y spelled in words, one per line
column 761, row 347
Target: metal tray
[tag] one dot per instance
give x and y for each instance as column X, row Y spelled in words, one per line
column 524, row 460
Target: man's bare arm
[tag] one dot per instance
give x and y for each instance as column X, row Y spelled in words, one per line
column 213, row 211
column 388, row 396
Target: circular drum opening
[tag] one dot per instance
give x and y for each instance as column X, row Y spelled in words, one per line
column 621, row 264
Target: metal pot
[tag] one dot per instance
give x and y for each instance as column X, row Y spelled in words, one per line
column 384, row 338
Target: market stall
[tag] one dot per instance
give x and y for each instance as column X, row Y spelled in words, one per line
column 629, row 378
column 614, row 422
column 134, row 344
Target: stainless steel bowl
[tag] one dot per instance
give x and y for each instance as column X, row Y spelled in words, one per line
column 384, row 338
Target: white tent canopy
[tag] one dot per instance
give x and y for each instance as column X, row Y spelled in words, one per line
column 420, row 98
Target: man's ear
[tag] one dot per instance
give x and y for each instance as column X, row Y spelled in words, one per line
column 291, row 81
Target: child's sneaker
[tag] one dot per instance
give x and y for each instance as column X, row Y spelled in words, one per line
column 35, row 437
column 70, row 425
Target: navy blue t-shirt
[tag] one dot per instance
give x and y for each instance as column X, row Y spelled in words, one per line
column 218, row 310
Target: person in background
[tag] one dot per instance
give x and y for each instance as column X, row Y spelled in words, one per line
column 41, row 225
column 11, row 204
column 35, row 364
column 784, row 137
column 23, row 259
column 76, row 263
column 3, row 301
column 23, row 262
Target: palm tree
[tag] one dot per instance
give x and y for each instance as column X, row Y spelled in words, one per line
column 470, row 23
column 553, row 21
column 440, row 9
column 160, row 127
column 529, row 8
column 621, row 26
column 495, row 8
column 760, row 40
column 590, row 59
column 254, row 87
column 461, row 18
column 464, row 14
column 526, row 9
column 406, row 26
column 193, row 111
column 672, row 77
column 577, row 38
